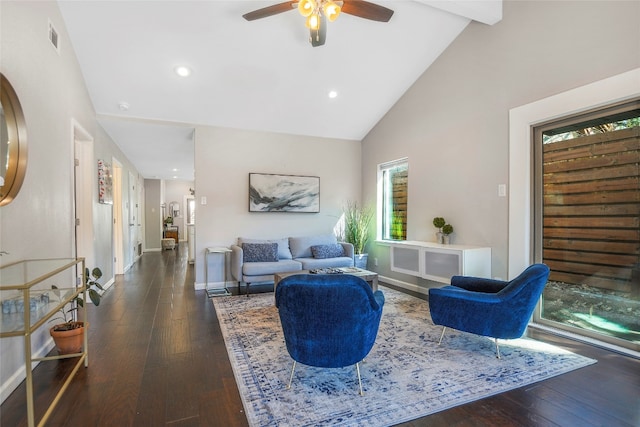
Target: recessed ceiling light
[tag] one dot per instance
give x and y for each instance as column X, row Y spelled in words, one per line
column 183, row 71
column 123, row 106
column 175, row 170
column 333, row 94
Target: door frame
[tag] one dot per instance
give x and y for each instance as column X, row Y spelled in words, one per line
column 118, row 218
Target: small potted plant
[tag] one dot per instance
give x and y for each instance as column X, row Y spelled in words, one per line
column 356, row 229
column 447, row 229
column 69, row 335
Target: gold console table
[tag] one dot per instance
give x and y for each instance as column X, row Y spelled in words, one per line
column 25, row 287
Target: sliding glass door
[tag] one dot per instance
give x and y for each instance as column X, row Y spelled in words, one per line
column 587, row 222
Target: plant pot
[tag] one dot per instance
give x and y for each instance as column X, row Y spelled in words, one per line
column 361, row 260
column 71, row 341
column 446, row 239
column 439, row 237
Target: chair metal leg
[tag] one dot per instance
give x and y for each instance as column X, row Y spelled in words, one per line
column 247, row 291
column 293, row 368
column 497, row 349
column 444, row 328
column 359, row 379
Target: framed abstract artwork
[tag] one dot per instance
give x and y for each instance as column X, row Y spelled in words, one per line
column 284, row 193
column 105, row 183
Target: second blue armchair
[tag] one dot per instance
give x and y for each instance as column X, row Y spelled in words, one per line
column 492, row 308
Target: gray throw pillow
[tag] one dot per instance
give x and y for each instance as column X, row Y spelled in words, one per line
column 260, row 252
column 327, row 251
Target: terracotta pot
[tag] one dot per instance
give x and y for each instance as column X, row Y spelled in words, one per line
column 69, row 342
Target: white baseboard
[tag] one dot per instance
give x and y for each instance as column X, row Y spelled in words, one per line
column 109, row 283
column 404, row 285
column 201, row 286
column 153, row 250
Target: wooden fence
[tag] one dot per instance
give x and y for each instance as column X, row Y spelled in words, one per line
column 591, row 225
column 399, row 184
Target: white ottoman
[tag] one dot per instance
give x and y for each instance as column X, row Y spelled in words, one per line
column 168, row 244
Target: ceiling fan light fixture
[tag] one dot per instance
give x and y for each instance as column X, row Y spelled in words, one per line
column 307, row 7
column 316, row 11
column 331, row 10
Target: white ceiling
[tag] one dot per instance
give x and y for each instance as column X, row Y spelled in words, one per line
column 260, row 75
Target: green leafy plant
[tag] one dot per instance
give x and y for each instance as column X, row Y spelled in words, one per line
column 439, row 222
column 356, row 225
column 168, row 220
column 68, row 315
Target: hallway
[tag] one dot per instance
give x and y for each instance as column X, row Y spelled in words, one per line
column 156, row 357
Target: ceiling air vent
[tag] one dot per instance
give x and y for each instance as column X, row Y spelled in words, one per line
column 53, row 37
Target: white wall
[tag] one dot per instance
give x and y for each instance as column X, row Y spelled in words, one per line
column 39, row 223
column 225, row 157
column 453, row 123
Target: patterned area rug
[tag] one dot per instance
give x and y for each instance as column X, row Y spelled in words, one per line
column 406, row 375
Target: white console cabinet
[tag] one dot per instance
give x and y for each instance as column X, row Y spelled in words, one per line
column 434, row 261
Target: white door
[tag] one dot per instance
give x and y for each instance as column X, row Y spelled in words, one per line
column 84, row 173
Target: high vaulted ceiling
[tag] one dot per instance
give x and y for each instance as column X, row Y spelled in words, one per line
column 261, row 75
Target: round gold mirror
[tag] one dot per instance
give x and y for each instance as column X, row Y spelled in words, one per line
column 13, row 143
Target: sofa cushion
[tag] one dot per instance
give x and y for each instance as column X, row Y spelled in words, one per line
column 309, row 263
column 260, row 252
column 327, row 251
column 301, row 246
column 283, row 245
column 262, row 268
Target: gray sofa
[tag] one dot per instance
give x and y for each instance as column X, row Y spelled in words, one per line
column 257, row 260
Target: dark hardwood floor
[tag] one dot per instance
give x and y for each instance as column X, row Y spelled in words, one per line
column 157, row 358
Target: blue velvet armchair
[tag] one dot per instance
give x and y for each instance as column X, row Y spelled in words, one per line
column 328, row 320
column 492, row 308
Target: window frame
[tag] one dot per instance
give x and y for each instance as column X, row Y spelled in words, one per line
column 383, row 229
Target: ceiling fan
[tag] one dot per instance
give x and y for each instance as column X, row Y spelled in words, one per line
column 318, row 12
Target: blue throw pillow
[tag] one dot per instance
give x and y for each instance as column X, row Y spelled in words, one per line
column 260, row 252
column 327, row 251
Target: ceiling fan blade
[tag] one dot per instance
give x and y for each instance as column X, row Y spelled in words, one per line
column 319, row 36
column 366, row 10
column 269, row 10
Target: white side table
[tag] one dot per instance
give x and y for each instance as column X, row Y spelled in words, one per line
column 216, row 250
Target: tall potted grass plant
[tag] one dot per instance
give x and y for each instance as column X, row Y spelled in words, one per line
column 357, row 220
